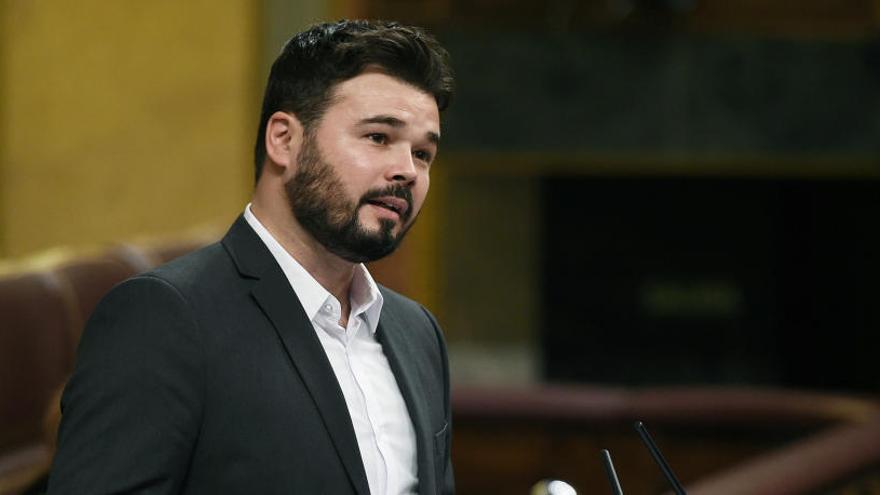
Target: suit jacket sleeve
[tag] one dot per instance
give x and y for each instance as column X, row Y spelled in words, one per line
column 132, row 408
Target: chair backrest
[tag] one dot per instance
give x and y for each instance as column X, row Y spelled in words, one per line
column 89, row 278
column 38, row 317
column 159, row 253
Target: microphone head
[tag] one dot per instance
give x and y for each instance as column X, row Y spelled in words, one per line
column 552, row 487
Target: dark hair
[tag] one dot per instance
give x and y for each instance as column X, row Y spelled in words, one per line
column 314, row 61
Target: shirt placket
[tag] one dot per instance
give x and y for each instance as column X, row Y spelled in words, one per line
column 356, row 375
column 361, row 378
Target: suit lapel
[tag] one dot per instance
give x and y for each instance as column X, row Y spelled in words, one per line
column 273, row 294
column 397, row 349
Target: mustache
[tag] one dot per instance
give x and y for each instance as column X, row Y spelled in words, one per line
column 396, row 190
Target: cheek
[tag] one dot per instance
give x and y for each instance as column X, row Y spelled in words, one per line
column 420, row 192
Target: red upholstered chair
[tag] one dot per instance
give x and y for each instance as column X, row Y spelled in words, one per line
column 160, row 253
column 42, row 315
column 37, row 318
column 36, row 351
column 91, row 277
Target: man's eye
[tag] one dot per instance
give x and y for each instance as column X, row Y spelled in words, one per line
column 377, row 138
column 423, row 156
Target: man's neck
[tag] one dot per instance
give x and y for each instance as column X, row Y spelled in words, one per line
column 332, row 272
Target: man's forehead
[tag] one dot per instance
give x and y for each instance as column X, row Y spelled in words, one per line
column 376, row 93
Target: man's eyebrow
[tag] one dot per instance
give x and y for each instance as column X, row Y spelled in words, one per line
column 383, row 119
column 433, row 137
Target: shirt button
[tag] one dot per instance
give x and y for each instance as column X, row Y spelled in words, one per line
column 327, row 307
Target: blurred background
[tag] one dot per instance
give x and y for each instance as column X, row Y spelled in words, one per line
column 630, row 193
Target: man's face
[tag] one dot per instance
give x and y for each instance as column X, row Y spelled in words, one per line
column 362, row 175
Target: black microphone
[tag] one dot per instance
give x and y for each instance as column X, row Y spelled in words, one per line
column 658, row 457
column 612, row 475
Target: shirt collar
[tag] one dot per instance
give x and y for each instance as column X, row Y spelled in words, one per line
column 364, row 296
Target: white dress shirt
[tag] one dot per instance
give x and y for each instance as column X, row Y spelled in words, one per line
column 385, row 434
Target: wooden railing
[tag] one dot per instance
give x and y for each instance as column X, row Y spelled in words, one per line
column 504, row 440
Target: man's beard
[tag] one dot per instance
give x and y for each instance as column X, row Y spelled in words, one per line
column 320, row 204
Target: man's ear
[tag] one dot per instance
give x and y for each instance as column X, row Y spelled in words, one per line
column 284, row 135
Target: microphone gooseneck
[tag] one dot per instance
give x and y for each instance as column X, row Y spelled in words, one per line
column 612, row 475
column 658, row 457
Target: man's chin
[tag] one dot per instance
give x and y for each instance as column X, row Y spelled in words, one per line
column 382, row 227
column 371, row 222
column 368, row 249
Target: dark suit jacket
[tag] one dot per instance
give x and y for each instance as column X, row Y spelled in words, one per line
column 205, row 376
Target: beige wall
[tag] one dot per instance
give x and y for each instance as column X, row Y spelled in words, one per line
column 123, row 118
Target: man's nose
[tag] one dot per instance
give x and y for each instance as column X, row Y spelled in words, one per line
column 402, row 166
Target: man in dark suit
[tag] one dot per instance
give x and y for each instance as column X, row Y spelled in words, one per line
column 271, row 362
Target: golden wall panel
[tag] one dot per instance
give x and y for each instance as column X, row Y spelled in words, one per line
column 123, row 118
